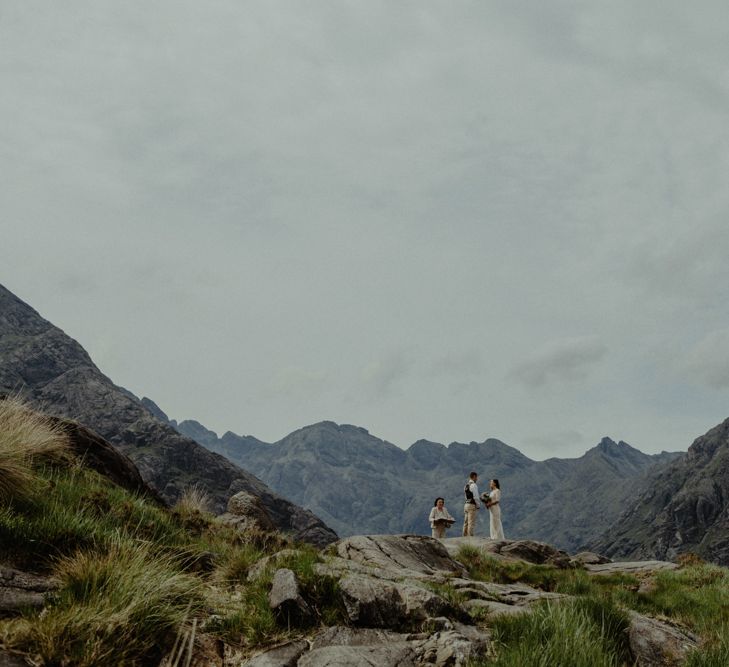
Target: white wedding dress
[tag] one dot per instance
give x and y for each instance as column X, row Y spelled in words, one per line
column 497, row 530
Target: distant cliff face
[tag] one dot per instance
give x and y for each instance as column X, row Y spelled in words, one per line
column 358, row 483
column 57, row 375
column 683, row 508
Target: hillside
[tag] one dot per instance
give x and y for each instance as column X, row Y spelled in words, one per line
column 55, row 373
column 359, row 483
column 683, row 508
column 95, row 571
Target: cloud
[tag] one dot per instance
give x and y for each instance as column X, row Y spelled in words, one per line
column 560, row 361
column 707, row 362
column 457, row 363
column 295, row 381
column 382, row 375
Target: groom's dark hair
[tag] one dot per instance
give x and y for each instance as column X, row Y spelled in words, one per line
column 473, row 475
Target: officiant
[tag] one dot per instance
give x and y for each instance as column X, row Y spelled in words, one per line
column 440, row 519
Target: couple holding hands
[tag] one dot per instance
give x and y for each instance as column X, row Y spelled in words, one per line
column 440, row 519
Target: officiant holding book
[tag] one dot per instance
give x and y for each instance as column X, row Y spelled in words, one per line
column 440, row 519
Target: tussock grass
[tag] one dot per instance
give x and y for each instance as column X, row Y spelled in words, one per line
column 583, row 632
column 194, row 501
column 26, row 439
column 120, row 606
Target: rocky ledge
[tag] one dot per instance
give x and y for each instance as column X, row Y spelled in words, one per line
column 409, row 602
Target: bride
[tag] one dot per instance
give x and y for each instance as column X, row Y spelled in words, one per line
column 492, row 500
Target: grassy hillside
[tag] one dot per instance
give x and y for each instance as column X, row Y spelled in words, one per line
column 133, row 576
column 139, row 584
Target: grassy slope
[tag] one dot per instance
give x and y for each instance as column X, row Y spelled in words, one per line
column 134, row 577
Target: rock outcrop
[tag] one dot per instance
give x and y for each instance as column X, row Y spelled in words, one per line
column 247, row 513
column 285, row 598
column 394, row 588
column 57, row 376
column 684, row 508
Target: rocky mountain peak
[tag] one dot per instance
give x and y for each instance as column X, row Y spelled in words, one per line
column 154, row 409
column 53, row 372
column 684, row 507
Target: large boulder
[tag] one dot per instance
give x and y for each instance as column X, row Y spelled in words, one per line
column 247, row 513
column 372, row 602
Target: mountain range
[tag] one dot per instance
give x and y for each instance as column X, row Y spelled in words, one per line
column 360, row 484
column 682, row 507
column 55, row 374
column 614, row 499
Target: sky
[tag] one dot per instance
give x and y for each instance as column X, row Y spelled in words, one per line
column 449, row 221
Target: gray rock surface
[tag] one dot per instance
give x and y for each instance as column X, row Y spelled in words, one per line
column 22, row 590
column 410, row 555
column 683, row 508
column 630, row 567
column 529, row 551
column 285, row 598
column 345, row 647
column 589, row 558
column 319, row 465
column 372, row 602
column 655, row 643
column 286, row 655
column 56, row 375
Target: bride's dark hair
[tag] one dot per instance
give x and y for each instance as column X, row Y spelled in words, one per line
column 496, row 482
column 435, row 504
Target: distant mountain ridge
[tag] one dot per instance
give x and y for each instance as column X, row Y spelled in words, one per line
column 58, row 377
column 358, row 483
column 684, row 507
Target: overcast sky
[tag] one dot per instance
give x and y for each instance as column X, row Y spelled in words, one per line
column 441, row 220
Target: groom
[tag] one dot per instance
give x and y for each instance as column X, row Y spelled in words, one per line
column 471, row 505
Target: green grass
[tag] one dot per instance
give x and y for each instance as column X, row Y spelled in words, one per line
column 252, row 623
column 26, row 438
column 582, row 632
column 483, row 567
column 120, row 606
column 696, row 596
